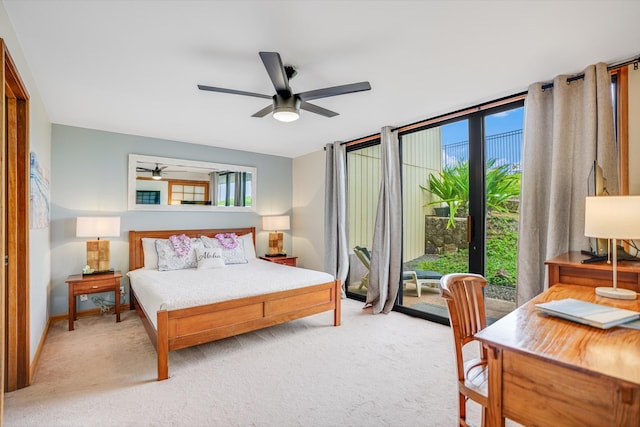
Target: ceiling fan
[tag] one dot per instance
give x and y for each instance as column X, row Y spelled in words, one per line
column 286, row 105
column 156, row 173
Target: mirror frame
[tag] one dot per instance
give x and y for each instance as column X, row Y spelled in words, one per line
column 133, row 206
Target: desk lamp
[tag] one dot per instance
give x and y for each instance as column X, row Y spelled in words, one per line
column 613, row 217
column 98, row 250
column 275, row 224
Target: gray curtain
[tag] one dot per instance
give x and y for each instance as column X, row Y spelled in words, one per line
column 336, row 259
column 566, row 128
column 238, row 197
column 386, row 255
column 213, row 188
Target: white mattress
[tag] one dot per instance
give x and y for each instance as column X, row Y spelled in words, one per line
column 165, row 290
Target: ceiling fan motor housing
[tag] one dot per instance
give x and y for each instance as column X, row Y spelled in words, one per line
column 286, row 109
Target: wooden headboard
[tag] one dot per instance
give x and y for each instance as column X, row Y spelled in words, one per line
column 136, row 255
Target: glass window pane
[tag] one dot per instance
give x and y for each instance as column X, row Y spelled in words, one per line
column 503, row 143
column 363, row 187
column 435, row 192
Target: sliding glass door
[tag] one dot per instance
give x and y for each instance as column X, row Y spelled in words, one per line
column 461, row 187
column 435, row 192
column 460, row 190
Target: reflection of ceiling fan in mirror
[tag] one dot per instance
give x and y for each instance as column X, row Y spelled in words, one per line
column 156, row 173
column 286, row 105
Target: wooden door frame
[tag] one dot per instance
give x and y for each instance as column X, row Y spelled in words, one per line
column 14, row 237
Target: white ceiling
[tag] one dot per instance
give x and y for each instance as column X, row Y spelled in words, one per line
column 133, row 66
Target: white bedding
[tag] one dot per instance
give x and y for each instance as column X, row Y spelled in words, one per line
column 159, row 290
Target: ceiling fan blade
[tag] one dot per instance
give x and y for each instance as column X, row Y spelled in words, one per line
column 318, row 110
column 266, row 110
column 334, row 91
column 233, row 91
column 278, row 75
column 139, row 169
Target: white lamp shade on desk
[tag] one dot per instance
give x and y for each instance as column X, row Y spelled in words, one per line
column 98, row 251
column 613, row 217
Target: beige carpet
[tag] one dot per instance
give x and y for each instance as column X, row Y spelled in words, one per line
column 383, row 370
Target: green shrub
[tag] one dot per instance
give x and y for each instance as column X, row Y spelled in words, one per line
column 451, row 186
column 502, row 247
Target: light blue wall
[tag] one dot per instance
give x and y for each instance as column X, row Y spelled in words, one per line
column 89, row 177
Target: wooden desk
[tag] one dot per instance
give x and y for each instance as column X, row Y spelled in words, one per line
column 568, row 268
column 546, row 371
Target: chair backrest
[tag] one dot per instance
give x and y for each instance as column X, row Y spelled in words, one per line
column 465, row 300
column 363, row 255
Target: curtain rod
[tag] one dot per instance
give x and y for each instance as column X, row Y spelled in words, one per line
column 634, row 61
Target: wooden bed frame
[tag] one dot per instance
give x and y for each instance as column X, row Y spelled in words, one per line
column 187, row 327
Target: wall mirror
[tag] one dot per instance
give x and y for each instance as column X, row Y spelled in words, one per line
column 165, row 184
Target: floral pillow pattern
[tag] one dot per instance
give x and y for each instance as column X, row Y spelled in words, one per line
column 169, row 259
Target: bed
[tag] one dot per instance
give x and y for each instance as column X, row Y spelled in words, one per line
column 176, row 328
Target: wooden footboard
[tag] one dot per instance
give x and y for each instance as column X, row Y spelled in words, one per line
column 186, row 327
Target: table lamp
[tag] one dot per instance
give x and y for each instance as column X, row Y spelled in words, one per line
column 613, row 217
column 98, row 250
column 275, row 224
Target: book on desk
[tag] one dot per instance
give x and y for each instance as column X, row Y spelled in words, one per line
column 588, row 313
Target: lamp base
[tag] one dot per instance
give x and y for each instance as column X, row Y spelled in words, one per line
column 615, row 293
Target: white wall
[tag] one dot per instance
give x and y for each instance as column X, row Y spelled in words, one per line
column 40, row 142
column 308, row 210
column 634, row 130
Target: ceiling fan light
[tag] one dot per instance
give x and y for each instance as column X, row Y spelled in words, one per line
column 156, row 175
column 286, row 109
column 286, row 114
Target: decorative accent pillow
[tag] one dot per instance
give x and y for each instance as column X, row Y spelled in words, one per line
column 150, row 253
column 209, row 258
column 168, row 258
column 249, row 248
column 230, row 256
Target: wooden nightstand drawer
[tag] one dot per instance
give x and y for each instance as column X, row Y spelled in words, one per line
column 94, row 286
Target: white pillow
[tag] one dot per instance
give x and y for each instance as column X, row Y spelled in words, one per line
column 209, row 258
column 230, row 256
column 249, row 248
column 168, row 259
column 149, row 253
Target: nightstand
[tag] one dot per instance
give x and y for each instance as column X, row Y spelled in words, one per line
column 284, row 260
column 92, row 284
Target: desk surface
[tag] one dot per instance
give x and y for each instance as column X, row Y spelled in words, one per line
column 614, row 352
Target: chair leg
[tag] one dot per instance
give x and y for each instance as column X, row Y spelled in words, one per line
column 462, row 410
column 418, row 288
column 483, row 420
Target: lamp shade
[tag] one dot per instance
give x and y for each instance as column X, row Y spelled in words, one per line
column 98, row 226
column 612, row 217
column 275, row 223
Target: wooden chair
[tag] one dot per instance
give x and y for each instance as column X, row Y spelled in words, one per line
column 465, row 300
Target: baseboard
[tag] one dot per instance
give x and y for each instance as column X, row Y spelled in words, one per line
column 36, row 357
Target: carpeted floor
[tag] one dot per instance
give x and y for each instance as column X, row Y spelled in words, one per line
column 383, row 370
